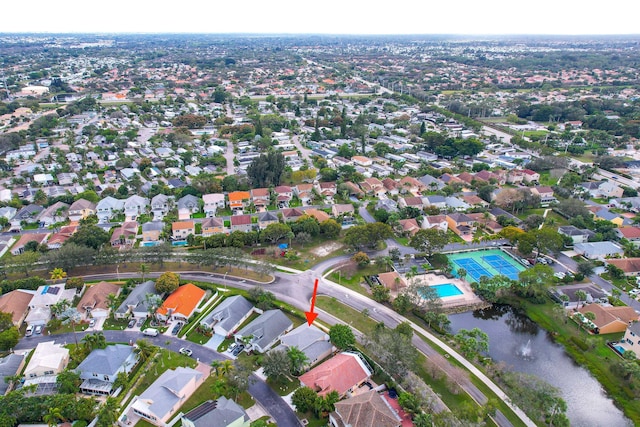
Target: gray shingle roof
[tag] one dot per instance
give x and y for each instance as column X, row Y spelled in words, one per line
column 137, row 297
column 9, row 366
column 266, row 328
column 220, row 413
column 106, row 361
column 229, row 313
column 164, row 393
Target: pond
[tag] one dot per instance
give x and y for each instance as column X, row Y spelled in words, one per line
column 520, row 343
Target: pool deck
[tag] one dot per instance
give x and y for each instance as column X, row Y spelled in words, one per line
column 467, row 298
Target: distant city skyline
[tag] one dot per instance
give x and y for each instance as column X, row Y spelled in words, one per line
column 467, row 17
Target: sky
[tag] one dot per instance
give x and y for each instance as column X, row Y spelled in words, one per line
column 472, row 17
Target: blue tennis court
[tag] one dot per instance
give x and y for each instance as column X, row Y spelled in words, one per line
column 485, row 263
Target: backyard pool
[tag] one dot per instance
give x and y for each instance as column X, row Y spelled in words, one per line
column 619, row 348
column 149, row 244
column 179, row 243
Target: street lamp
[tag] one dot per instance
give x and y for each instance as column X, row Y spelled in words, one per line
column 224, row 281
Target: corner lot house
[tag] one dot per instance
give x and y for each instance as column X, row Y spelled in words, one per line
column 220, row 413
column 181, row 304
column 265, row 330
column 343, row 373
column 101, row 367
column 48, row 359
column 163, row 398
column 313, row 342
column 228, row 315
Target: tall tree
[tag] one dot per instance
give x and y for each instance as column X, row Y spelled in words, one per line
column 266, row 170
column 429, row 240
column 167, row 282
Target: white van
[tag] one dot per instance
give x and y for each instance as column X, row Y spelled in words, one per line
column 150, row 332
column 29, row 331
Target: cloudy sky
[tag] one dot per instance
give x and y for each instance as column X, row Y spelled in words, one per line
column 326, row 16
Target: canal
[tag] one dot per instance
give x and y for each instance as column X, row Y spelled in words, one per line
column 521, row 344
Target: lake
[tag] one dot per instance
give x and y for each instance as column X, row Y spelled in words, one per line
column 520, row 343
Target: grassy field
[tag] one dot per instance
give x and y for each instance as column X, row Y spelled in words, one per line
column 354, row 318
column 163, row 360
column 308, row 255
column 285, row 387
column 352, row 277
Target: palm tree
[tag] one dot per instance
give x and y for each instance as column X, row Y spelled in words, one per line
column 216, row 364
column 59, row 307
column 108, row 414
column 53, row 416
column 298, row 359
column 71, row 316
column 226, row 367
column 112, row 302
column 144, row 269
column 144, row 349
column 95, row 340
column 581, row 295
column 57, row 274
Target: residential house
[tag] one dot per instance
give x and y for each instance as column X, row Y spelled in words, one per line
column 181, row 304
column 498, row 212
column 81, row 209
column 603, row 214
column 474, row 200
column 545, row 193
column 222, row 412
column 100, row 369
column 160, row 206
column 241, row 223
column 391, row 186
column 125, row 235
column 212, row 202
column 436, row 201
column 630, row 266
column 411, row 185
column 108, row 207
column 455, row 204
column 137, row 302
column 319, row 215
column 8, row 212
column 293, row 214
column 354, row 190
column 261, row 198
column 313, row 342
column 368, row 409
column 410, row 202
column 610, row 319
column 16, row 303
column 345, row 209
column 409, row 226
column 632, row 338
column 284, row 194
column 632, row 234
column 304, row 192
column 392, row 281
column 180, row 230
column 373, row 187
column 27, row 214
column 48, row 359
column 342, row 373
column 10, row 365
column 577, row 235
column 94, row 303
column 491, row 177
column 42, row 300
column 164, row 397
column 467, row 178
column 187, row 206
column 135, row 206
column 431, row 183
column 151, row 231
column 18, row 247
column 602, row 189
column 55, row 213
column 530, row 177
column 327, row 190
column 598, row 250
column 361, row 161
column 266, row 218
column 228, row 315
column 515, row 176
column 438, row 222
column 461, row 224
column 211, row 226
column 388, row 205
column 264, row 331
column 239, row 200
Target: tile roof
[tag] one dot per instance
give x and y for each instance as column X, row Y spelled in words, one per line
column 183, row 300
column 16, row 303
column 340, row 373
column 96, row 296
column 367, row 410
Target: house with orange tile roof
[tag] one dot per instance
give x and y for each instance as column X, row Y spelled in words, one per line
column 321, row 216
column 57, row 239
column 181, row 304
column 343, row 373
column 412, row 185
column 630, row 266
column 239, row 199
column 180, row 230
column 610, row 320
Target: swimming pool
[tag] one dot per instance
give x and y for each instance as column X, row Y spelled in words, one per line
column 619, row 348
column 149, row 244
column 179, row 243
column 447, row 290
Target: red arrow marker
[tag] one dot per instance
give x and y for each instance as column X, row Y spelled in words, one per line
column 311, row 316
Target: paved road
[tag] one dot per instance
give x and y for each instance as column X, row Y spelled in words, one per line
column 261, row 392
column 230, row 156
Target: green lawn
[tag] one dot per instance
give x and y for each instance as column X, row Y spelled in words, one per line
column 285, row 387
column 115, row 324
column 163, row 360
column 354, row 318
column 352, row 277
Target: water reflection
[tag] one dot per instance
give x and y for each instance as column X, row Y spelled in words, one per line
column 522, row 345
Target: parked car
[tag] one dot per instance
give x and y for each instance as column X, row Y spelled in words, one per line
column 140, row 321
column 29, row 331
column 186, row 351
column 238, row 349
column 131, row 323
column 176, row 328
column 232, row 347
column 92, row 323
column 38, row 330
